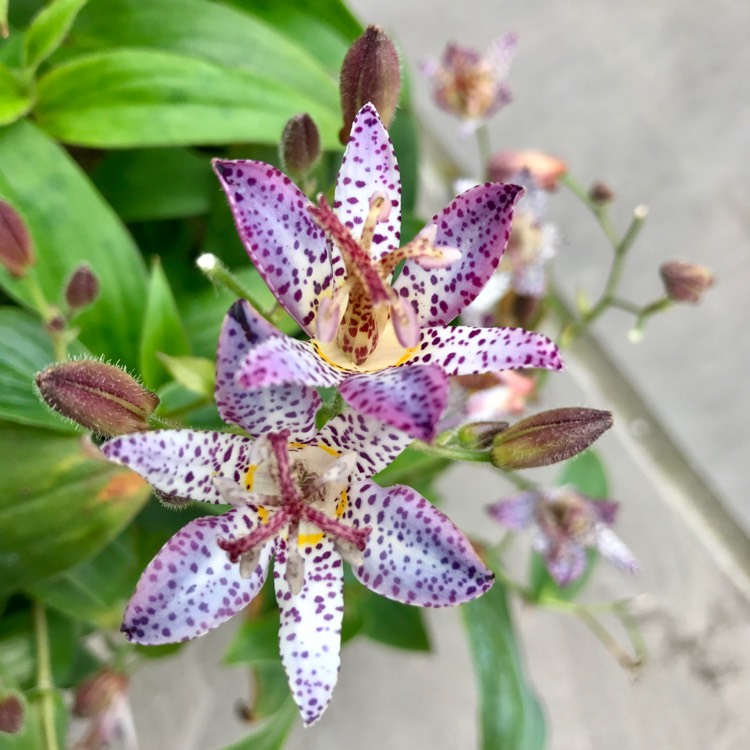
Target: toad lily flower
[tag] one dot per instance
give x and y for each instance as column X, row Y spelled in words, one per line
column 302, row 497
column 384, row 343
column 566, row 524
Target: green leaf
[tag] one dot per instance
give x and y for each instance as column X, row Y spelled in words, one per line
column 197, row 374
column 130, row 98
column 393, row 623
column 587, row 474
column 150, row 184
column 418, row 470
column 70, row 223
column 25, row 348
column 207, row 31
column 31, row 735
column 509, row 711
column 15, row 98
column 163, row 332
column 273, row 732
column 95, row 590
column 256, row 641
column 48, row 30
column 58, row 505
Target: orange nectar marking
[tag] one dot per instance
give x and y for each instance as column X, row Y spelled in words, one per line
column 319, row 352
column 297, row 445
column 330, row 451
column 250, row 475
column 307, row 540
column 341, row 505
column 407, row 356
column 263, row 514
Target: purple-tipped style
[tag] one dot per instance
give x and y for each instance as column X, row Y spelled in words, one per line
column 381, row 341
column 566, row 523
column 300, row 496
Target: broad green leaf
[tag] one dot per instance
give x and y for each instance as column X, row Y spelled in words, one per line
column 256, row 641
column 272, row 733
column 207, row 31
column 97, row 589
column 70, row 223
column 418, row 470
column 25, row 348
column 150, row 184
column 393, row 623
column 130, row 98
column 197, row 374
column 587, row 474
column 48, row 30
column 509, row 711
column 58, row 505
column 163, row 332
column 31, row 736
column 15, row 98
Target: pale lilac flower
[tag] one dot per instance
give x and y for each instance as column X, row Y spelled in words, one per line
column 566, row 523
column 470, row 85
column 301, row 496
column 384, row 343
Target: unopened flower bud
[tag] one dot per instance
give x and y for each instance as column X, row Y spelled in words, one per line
column 601, row 193
column 98, row 396
column 685, row 282
column 370, row 73
column 16, row 250
column 56, row 324
column 300, row 145
column 95, row 695
column 82, row 288
column 545, row 170
column 480, row 435
column 548, row 437
column 11, row 714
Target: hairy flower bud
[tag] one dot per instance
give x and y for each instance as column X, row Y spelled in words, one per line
column 480, row 435
column 601, row 193
column 11, row 714
column 685, row 282
column 548, row 437
column 545, row 170
column 98, row 396
column 16, row 250
column 300, row 146
column 370, row 73
column 95, row 694
column 82, row 288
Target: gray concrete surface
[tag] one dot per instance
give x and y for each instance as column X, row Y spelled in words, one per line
column 652, row 97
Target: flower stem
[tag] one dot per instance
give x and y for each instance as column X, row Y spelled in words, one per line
column 211, row 267
column 452, row 452
column 44, row 681
column 485, row 150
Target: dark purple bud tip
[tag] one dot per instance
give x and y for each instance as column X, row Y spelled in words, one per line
column 601, row 193
column 98, row 396
column 300, row 146
column 685, row 282
column 82, row 288
column 16, row 250
column 548, row 437
column 371, row 72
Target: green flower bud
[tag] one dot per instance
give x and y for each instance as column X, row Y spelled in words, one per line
column 300, row 146
column 98, row 396
column 370, row 73
column 16, row 250
column 480, row 435
column 82, row 288
column 549, row 437
column 685, row 282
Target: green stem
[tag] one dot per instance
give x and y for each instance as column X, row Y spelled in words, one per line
column 218, row 273
column 452, row 452
column 485, row 150
column 44, row 681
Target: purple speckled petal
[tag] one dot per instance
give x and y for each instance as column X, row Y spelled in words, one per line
column 414, row 554
column 477, row 222
column 517, row 512
column 409, row 398
column 258, row 410
column 369, row 166
column 462, row 350
column 285, row 361
column 612, row 548
column 282, row 240
column 375, row 444
column 182, row 463
column 310, row 631
column 565, row 559
column 190, row 586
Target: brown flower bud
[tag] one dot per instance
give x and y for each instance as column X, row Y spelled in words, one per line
column 16, row 250
column 300, row 145
column 601, row 193
column 480, row 435
column 545, row 169
column 548, row 437
column 98, row 396
column 82, row 288
column 11, row 714
column 370, row 73
column 95, row 695
column 685, row 282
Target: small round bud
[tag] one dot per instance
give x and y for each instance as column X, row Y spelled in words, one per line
column 300, row 145
column 548, row 437
column 685, row 282
column 82, row 288
column 544, row 169
column 16, row 250
column 98, row 396
column 95, row 695
column 601, row 193
column 11, row 714
column 56, row 324
column 371, row 72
